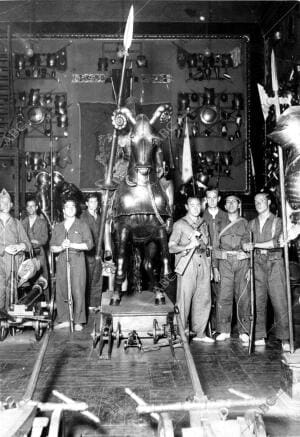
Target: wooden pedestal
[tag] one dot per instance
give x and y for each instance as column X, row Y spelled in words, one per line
column 290, row 375
column 137, row 312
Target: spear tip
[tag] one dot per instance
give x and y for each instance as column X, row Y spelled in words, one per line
column 128, row 34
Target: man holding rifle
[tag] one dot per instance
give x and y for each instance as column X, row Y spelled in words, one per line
column 268, row 271
column 189, row 241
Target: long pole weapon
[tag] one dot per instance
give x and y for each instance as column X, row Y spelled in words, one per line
column 283, row 206
column 70, row 297
column 108, row 184
column 252, row 298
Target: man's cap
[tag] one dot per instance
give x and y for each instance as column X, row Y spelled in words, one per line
column 5, row 195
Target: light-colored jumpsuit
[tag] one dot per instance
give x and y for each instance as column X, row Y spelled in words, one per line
column 12, row 232
column 79, row 232
column 193, row 287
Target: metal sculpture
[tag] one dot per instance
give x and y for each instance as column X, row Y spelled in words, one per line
column 142, row 209
column 50, row 196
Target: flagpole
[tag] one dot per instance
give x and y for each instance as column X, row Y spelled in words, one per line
column 283, row 206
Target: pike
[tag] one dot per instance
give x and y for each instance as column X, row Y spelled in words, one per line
column 252, row 298
column 70, row 298
column 283, row 205
column 108, row 184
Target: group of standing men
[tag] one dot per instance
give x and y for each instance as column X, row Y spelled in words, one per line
column 218, row 272
column 218, row 244
column 73, row 238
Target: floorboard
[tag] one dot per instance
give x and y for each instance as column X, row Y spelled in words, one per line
column 74, row 368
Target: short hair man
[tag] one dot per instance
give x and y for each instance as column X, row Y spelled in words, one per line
column 13, row 242
column 37, row 230
column 231, row 268
column 91, row 217
column 190, row 233
column 214, row 217
column 269, row 271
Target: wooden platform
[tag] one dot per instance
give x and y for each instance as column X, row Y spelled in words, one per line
column 137, row 313
column 74, row 368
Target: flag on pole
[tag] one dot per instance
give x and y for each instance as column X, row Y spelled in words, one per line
column 187, row 166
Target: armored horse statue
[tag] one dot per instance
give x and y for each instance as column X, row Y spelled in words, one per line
column 141, row 208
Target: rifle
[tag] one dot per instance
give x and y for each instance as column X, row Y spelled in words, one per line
column 70, row 298
column 252, row 297
column 185, row 260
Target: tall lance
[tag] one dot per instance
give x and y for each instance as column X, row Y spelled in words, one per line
column 283, row 206
column 108, row 184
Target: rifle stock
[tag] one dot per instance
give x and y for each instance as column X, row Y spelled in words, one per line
column 184, row 262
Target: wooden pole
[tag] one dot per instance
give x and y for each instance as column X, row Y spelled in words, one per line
column 283, row 207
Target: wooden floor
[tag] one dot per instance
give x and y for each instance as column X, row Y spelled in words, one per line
column 73, row 367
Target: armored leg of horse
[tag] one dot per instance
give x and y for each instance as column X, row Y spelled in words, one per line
column 123, row 235
column 137, row 262
column 166, row 268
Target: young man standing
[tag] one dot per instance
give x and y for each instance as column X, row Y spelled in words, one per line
column 13, row 242
column 269, row 271
column 73, row 235
column 91, row 217
column 214, row 217
column 190, row 233
column 231, row 269
column 37, row 231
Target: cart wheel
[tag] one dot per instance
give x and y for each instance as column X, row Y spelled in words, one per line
column 3, row 332
column 118, row 335
column 155, row 331
column 52, row 309
column 38, row 330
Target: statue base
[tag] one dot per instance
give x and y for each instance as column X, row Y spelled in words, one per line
column 290, row 375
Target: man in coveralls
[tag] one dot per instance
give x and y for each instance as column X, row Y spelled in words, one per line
column 74, row 235
column 193, row 286
column 37, row 231
column 13, row 242
column 268, row 271
column 214, row 217
column 91, row 217
column 231, row 268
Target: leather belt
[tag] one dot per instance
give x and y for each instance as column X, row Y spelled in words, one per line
column 227, row 254
column 261, row 252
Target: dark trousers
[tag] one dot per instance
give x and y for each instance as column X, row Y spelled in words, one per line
column 233, row 285
column 270, row 281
